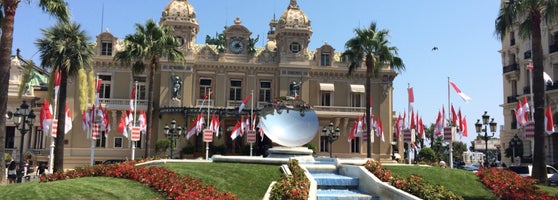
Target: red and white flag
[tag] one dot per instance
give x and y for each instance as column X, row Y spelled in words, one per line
column 520, row 115
column 192, row 130
column 241, row 107
column 439, row 127
column 453, row 117
column 106, row 123
column 236, row 131
column 459, row 121
column 68, row 121
column 45, row 116
column 464, row 124
column 461, row 94
column 421, row 128
column 261, row 130
column 132, row 97
column 411, row 95
column 353, row 131
column 412, row 126
column 122, row 128
column 57, row 80
column 398, row 127
column 98, row 90
column 379, row 128
column 526, row 109
column 548, row 121
column 142, row 118
column 85, row 120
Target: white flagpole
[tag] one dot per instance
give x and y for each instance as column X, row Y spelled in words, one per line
column 94, row 122
column 134, row 117
column 251, row 118
column 208, row 123
column 51, row 155
column 409, row 124
column 451, row 140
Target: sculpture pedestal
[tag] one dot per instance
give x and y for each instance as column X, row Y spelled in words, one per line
column 301, row 153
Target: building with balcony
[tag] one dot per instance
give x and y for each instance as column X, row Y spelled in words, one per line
column 516, row 56
column 233, row 70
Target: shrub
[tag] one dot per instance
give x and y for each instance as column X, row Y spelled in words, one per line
column 160, row 179
column 506, row 184
column 427, row 155
column 295, row 186
column 414, row 184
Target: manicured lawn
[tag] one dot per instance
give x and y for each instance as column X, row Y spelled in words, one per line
column 80, row 188
column 461, row 182
column 246, row 181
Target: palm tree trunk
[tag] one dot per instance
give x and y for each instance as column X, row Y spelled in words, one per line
column 369, row 66
column 539, row 157
column 10, row 7
column 152, row 66
column 61, row 116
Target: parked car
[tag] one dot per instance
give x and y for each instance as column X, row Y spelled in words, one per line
column 472, row 168
column 527, row 170
column 108, row 162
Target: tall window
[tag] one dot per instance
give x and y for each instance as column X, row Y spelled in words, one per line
column 141, row 91
column 105, row 86
column 10, row 137
column 38, row 142
column 118, row 142
column 265, row 91
column 355, row 145
column 514, row 120
column 101, row 142
column 513, row 87
column 325, row 59
column 106, row 48
column 235, row 90
column 205, row 86
column 356, row 99
column 325, row 98
column 324, row 145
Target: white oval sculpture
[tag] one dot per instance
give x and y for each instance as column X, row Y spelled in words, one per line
column 290, row 127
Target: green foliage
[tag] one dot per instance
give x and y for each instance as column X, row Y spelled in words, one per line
column 162, row 145
column 311, row 146
column 7, row 157
column 458, row 149
column 295, row 186
column 427, row 155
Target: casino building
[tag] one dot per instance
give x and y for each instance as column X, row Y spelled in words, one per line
column 232, row 67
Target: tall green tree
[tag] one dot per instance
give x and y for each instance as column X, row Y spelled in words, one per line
column 144, row 49
column 57, row 8
column 373, row 47
column 527, row 16
column 64, row 47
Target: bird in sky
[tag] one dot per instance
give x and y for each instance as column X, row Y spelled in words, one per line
column 434, row 48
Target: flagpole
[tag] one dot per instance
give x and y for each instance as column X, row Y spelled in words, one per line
column 134, row 119
column 208, row 110
column 94, row 121
column 51, row 155
column 409, row 122
column 251, row 118
column 451, row 140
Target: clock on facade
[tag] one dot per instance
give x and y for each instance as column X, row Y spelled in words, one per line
column 236, row 45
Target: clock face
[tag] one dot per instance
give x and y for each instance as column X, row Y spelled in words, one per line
column 236, row 46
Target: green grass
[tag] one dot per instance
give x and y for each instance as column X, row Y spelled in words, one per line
column 461, row 182
column 245, row 181
column 80, row 188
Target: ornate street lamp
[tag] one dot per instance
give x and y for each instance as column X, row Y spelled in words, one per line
column 515, row 143
column 173, row 133
column 479, row 129
column 22, row 116
column 332, row 135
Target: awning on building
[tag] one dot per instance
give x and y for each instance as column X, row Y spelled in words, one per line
column 327, row 87
column 357, row 88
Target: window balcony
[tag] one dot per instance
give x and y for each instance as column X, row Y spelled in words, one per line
column 121, row 104
column 511, row 68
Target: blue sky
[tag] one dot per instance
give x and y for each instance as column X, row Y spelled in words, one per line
column 463, row 32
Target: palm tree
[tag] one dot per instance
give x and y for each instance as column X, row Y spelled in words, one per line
column 149, row 44
column 527, row 16
column 374, row 48
column 8, row 9
column 64, row 47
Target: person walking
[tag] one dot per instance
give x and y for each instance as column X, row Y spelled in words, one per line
column 12, row 172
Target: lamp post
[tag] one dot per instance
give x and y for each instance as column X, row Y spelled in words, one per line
column 172, row 133
column 479, row 129
column 332, row 135
column 515, row 142
column 23, row 115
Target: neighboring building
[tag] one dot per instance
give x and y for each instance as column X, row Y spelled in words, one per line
column 516, row 56
column 232, row 70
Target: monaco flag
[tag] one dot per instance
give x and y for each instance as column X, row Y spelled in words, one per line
column 132, row 98
column 548, row 122
column 241, row 107
column 236, row 131
column 68, row 121
column 461, row 94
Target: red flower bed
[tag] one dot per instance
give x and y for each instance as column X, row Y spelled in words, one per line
column 509, row 185
column 160, row 179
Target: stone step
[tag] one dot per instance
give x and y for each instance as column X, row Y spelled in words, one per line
column 331, row 180
column 320, row 168
column 339, row 194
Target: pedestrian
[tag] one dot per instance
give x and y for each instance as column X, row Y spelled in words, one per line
column 12, row 172
column 42, row 169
